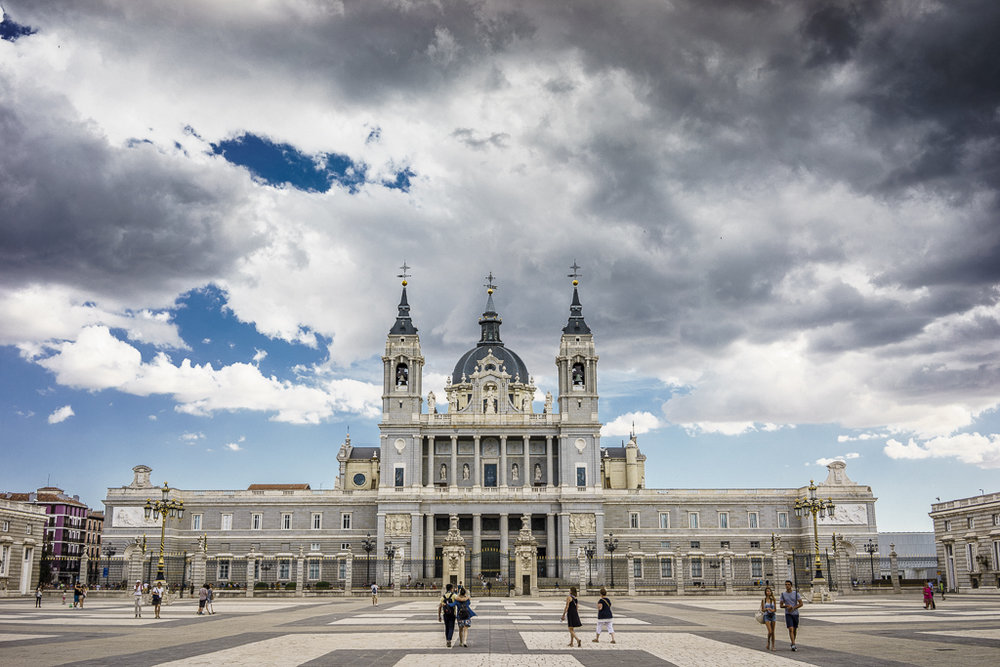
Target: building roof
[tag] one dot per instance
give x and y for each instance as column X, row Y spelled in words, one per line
column 49, row 495
column 403, row 323
column 278, row 487
column 364, row 452
column 489, row 341
column 576, row 323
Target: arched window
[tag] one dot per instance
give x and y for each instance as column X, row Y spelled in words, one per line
column 578, row 377
column 402, row 375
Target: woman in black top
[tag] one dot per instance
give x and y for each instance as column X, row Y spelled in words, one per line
column 571, row 614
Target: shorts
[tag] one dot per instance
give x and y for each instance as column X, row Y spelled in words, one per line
column 156, row 600
column 769, row 617
column 605, row 625
column 201, row 604
column 791, row 621
column 467, row 623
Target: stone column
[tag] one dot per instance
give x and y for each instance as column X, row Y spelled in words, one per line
column 397, row 573
column 82, row 575
column 251, row 559
column 135, row 563
column 845, row 584
column 431, row 470
column 453, row 555
column 453, row 472
column 727, row 571
column 526, row 474
column 300, row 575
column 548, row 461
column 503, row 460
column 894, row 570
column 415, row 530
column 563, row 540
column 348, row 574
column 550, row 545
column 379, row 539
column 777, row 570
column 504, row 547
column 429, row 546
column 630, row 571
column 582, row 569
column 477, row 544
column 476, row 478
column 526, row 559
column 679, row 573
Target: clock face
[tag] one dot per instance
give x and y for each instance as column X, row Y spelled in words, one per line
column 359, row 479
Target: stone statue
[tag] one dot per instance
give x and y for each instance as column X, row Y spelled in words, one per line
column 443, row 474
column 465, row 471
column 538, row 472
column 548, row 402
column 514, row 473
column 431, row 403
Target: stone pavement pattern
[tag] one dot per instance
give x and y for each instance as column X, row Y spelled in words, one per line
column 650, row 631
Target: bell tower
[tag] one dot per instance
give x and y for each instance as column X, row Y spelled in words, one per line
column 402, row 366
column 577, row 365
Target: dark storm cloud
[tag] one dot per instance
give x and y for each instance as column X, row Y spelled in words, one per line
column 79, row 212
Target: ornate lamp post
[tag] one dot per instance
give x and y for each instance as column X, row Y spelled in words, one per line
column 872, row 549
column 368, row 544
column 814, row 505
column 611, row 543
column 590, row 550
column 390, row 553
column 163, row 508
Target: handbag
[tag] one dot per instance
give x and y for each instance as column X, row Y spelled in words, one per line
column 759, row 616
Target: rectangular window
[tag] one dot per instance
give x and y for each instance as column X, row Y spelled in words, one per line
column 314, row 569
column 757, row 567
column 970, row 560
column 665, row 544
column 345, row 546
column 223, row 570
column 664, row 520
column 581, row 475
column 317, row 521
column 696, row 568
column 755, row 544
column 399, row 476
column 256, row 521
column 342, row 569
column 314, row 546
column 752, row 520
column 4, row 559
column 724, row 545
column 227, row 522
column 27, row 529
column 286, row 521
column 666, row 568
column 695, row 544
column 196, row 521
column 996, row 555
column 996, row 519
column 947, row 525
column 692, row 520
column 970, row 524
column 345, row 521
column 284, row 569
column 637, row 568
column 6, row 526
column 633, row 519
column 782, row 519
column 723, row 519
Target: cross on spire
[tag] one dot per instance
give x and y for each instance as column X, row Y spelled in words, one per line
column 490, row 285
column 404, row 275
column 576, row 272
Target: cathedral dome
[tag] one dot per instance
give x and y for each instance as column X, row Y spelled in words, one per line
column 489, row 342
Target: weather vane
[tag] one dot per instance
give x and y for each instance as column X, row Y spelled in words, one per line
column 404, row 275
column 490, row 285
column 575, row 274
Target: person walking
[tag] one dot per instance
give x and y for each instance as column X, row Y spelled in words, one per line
column 374, row 594
column 604, row 616
column 38, row 598
column 769, row 607
column 137, row 596
column 463, row 615
column 156, row 597
column 202, row 598
column 929, row 596
column 446, row 613
column 210, row 600
column 571, row 614
column 83, row 594
column 790, row 602
column 76, row 595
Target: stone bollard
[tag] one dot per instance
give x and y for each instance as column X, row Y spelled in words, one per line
column 897, row 589
column 630, row 572
column 348, row 573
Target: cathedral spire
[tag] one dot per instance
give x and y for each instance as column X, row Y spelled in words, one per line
column 403, row 324
column 576, row 323
column 490, row 321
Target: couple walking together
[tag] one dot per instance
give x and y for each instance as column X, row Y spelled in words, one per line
column 454, row 609
column 571, row 614
column 790, row 601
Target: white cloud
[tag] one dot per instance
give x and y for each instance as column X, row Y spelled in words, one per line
column 233, row 447
column 61, row 415
column 152, row 418
column 841, row 457
column 259, row 356
column 979, row 450
column 192, row 438
column 637, row 422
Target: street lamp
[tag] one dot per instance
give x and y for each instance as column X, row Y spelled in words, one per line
column 590, row 550
column 368, row 544
column 163, row 508
column 872, row 549
column 611, row 543
column 814, row 505
column 390, row 553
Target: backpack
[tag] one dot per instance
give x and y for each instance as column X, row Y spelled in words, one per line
column 449, row 604
column 463, row 611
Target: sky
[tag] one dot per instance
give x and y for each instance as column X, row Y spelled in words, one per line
column 785, row 212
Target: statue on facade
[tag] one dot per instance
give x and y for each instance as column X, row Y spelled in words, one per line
column 465, row 471
column 548, row 402
column 431, row 403
column 538, row 472
column 514, row 473
column 443, row 474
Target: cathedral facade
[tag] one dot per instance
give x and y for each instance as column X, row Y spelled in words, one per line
column 487, row 464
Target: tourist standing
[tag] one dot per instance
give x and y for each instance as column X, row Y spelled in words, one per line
column 202, row 598
column 76, row 595
column 463, row 616
column 790, row 602
column 157, row 597
column 374, row 594
column 446, row 613
column 929, row 596
column 83, row 594
column 137, row 596
column 38, row 598
column 571, row 614
column 604, row 616
column 769, row 607
column 210, row 600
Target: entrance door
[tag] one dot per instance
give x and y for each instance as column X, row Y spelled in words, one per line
column 526, row 584
column 490, row 558
column 489, row 474
column 29, row 554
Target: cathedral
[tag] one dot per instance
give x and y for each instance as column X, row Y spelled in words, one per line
column 489, row 468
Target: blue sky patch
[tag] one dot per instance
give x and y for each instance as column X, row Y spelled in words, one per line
column 11, row 30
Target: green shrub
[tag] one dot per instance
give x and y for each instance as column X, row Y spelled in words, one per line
column 290, row 586
column 322, row 585
column 260, row 585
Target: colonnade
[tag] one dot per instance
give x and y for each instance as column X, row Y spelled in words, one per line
column 527, row 476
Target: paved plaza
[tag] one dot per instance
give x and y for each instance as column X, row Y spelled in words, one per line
column 404, row 631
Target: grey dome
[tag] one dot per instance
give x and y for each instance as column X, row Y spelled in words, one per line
column 512, row 363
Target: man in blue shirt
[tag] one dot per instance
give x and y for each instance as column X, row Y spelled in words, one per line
column 790, row 602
